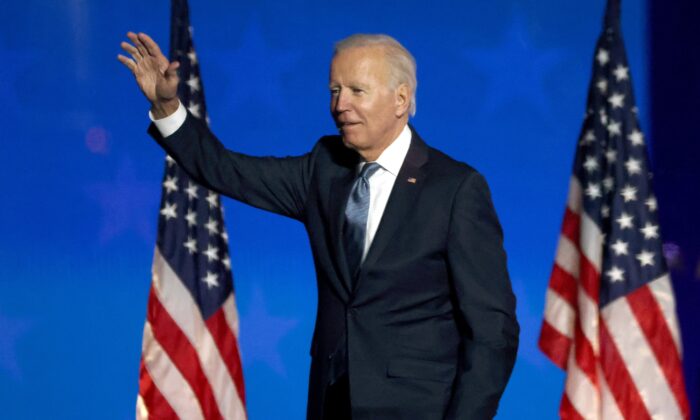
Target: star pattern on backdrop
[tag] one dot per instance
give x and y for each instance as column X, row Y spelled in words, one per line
column 256, row 71
column 515, row 69
column 126, row 204
column 11, row 331
column 262, row 339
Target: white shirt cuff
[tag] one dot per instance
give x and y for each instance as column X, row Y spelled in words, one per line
column 172, row 122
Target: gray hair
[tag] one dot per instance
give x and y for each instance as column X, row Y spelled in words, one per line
column 401, row 63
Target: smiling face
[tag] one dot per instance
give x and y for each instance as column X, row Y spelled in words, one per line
column 368, row 111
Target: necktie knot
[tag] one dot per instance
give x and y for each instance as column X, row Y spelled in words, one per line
column 368, row 169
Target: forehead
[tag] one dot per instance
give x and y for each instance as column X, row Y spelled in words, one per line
column 366, row 62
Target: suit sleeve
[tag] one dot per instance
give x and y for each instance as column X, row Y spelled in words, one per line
column 279, row 185
column 479, row 276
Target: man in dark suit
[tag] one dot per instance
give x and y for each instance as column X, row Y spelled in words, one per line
column 416, row 317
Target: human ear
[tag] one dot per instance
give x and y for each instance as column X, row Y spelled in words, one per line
column 403, row 99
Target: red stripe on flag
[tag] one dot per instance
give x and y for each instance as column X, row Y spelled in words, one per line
column 554, row 345
column 157, row 406
column 585, row 355
column 589, row 278
column 571, row 227
column 567, row 411
column 619, row 380
column 228, row 348
column 183, row 355
column 564, row 284
column 653, row 324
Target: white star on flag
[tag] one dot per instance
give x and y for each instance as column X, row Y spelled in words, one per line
column 615, row 274
column 194, row 109
column 591, row 163
column 191, row 245
column 625, row 220
column 651, row 203
column 620, row 247
column 191, row 191
column 650, row 231
column 593, row 191
column 212, row 199
column 193, row 83
column 636, row 138
column 629, row 193
column 212, row 253
column 191, row 218
column 170, row 184
column 603, row 57
column 169, row 211
column 617, row 100
column 621, row 73
column 646, row 258
column 212, row 226
column 614, row 128
column 211, row 280
column 634, row 166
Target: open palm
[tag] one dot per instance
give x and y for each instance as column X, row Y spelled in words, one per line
column 155, row 75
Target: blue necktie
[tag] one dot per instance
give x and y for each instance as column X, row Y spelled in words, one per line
column 356, row 212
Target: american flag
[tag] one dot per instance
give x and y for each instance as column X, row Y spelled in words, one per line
column 610, row 318
column 190, row 363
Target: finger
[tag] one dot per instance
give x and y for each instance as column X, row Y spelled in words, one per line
column 137, row 43
column 131, row 50
column 150, row 44
column 129, row 63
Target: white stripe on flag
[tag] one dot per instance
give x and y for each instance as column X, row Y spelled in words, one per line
column 663, row 293
column 568, row 257
column 589, row 318
column 231, row 314
column 580, row 390
column 559, row 314
column 639, row 360
column 573, row 201
column 591, row 241
column 609, row 408
column 168, row 379
column 178, row 301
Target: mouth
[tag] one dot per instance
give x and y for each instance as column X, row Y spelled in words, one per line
column 342, row 126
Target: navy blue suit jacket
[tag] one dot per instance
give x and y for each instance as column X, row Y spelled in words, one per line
column 428, row 325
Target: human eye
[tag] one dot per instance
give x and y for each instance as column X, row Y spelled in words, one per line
column 334, row 91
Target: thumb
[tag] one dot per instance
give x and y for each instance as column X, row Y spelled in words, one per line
column 171, row 71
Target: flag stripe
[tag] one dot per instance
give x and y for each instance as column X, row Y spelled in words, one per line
column 227, row 344
column 177, row 301
column 554, row 344
column 580, row 392
column 168, row 379
column 608, row 407
column 621, row 384
column 183, row 355
column 567, row 410
column 638, row 357
column 651, row 320
column 661, row 289
column 159, row 407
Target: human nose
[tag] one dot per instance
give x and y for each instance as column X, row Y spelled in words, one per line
column 340, row 101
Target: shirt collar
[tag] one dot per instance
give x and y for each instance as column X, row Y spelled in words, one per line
column 393, row 156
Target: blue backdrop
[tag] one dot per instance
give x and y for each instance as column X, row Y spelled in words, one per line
column 501, row 86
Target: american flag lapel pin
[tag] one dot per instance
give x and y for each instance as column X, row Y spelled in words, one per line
column 411, row 180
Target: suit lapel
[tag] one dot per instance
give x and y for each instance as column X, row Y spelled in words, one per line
column 340, row 190
column 403, row 196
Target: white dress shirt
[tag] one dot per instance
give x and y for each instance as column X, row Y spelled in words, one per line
column 380, row 183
